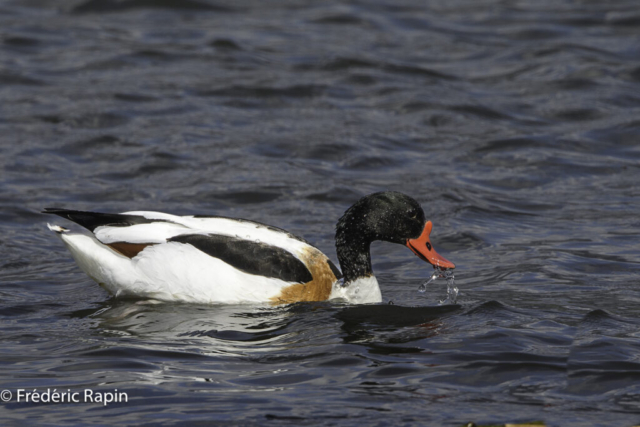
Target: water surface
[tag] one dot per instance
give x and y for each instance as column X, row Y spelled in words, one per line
column 515, row 124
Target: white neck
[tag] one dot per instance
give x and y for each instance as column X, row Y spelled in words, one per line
column 364, row 290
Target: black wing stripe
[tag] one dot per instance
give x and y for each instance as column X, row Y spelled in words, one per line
column 250, row 257
column 93, row 220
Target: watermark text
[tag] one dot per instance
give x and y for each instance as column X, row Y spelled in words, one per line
column 86, row 395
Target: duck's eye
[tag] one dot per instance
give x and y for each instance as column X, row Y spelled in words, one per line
column 414, row 215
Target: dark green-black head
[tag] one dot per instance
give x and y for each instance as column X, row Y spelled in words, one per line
column 389, row 216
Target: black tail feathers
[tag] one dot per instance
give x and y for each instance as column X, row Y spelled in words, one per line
column 93, row 220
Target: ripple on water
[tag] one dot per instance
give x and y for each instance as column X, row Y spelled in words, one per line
column 603, row 359
column 105, row 6
column 515, row 127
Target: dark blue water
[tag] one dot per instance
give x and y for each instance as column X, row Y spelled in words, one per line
column 516, row 125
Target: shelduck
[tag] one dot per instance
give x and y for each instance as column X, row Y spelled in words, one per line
column 213, row 259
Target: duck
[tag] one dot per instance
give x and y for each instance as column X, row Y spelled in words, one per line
column 220, row 260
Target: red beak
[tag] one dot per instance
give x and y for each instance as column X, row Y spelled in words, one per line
column 422, row 247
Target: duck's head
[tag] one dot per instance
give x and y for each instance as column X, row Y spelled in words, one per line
column 389, row 216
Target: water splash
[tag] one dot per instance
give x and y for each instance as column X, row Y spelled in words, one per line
column 423, row 288
column 452, row 290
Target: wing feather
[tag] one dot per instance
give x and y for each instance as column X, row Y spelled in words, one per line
column 152, row 228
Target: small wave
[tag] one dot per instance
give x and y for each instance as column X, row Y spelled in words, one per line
column 102, row 6
column 225, row 44
column 10, row 78
column 296, row 91
column 340, row 19
column 246, row 197
column 480, row 111
column 102, row 120
column 134, row 97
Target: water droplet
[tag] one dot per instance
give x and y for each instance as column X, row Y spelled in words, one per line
column 356, row 290
column 423, row 287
